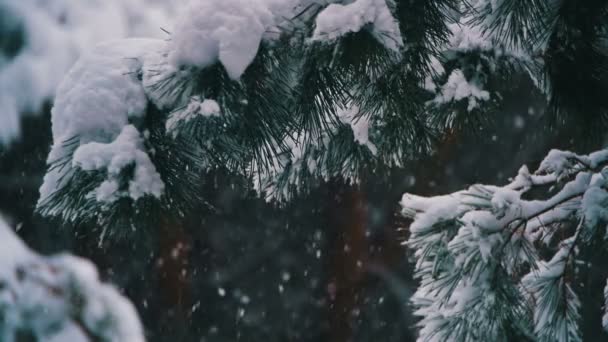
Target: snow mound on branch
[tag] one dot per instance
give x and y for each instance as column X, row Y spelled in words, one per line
column 54, row 34
column 360, row 126
column 428, row 212
column 594, row 206
column 337, row 20
column 459, row 88
column 99, row 97
column 126, row 150
column 59, row 298
column 228, row 31
column 209, row 108
column 558, row 162
column 467, row 37
column 564, row 163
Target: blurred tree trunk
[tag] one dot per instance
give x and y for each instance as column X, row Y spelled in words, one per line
column 347, row 256
column 173, row 264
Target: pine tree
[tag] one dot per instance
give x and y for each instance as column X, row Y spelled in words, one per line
column 511, row 262
column 292, row 94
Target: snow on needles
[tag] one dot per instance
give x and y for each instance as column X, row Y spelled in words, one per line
column 126, row 150
column 195, row 107
column 360, row 126
column 468, row 235
column 459, row 88
column 337, row 20
column 59, row 298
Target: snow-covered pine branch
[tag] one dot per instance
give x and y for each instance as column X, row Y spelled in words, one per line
column 229, row 89
column 58, row 298
column 287, row 93
column 478, row 252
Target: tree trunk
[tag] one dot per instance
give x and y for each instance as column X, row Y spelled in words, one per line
column 173, row 266
column 347, row 257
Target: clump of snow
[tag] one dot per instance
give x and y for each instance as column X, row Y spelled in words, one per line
column 55, row 34
column 126, row 150
column 102, row 92
column 336, row 20
column 524, row 179
column 427, row 212
column 459, row 88
column 99, row 97
column 598, row 158
column 59, row 298
column 228, row 31
column 360, row 126
column 560, row 163
column 196, row 107
column 503, row 200
column 467, row 37
column 594, row 206
column 209, row 108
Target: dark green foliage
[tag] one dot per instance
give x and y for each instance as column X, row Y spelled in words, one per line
column 566, row 40
column 423, row 25
column 516, row 23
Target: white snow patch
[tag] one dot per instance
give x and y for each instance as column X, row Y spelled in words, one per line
column 360, row 126
column 466, row 37
column 126, row 150
column 228, row 31
column 337, row 20
column 458, row 88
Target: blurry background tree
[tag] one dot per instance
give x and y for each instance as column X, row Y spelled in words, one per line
column 58, row 298
column 337, row 116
